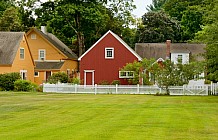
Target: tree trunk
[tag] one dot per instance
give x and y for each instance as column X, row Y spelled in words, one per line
column 81, row 43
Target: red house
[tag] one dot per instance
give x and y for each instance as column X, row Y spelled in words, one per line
column 102, row 61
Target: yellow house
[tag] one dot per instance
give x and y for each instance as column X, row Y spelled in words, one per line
column 50, row 55
column 15, row 55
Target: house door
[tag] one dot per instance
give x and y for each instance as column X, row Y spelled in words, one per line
column 47, row 75
column 89, row 77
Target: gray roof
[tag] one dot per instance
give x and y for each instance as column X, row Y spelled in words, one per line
column 58, row 44
column 48, row 65
column 158, row 50
column 9, row 45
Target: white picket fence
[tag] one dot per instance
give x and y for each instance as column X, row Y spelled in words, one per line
column 130, row 89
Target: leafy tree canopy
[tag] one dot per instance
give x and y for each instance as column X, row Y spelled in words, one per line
column 157, row 27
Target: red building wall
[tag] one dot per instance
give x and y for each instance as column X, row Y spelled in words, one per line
column 106, row 69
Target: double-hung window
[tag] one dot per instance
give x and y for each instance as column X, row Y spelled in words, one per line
column 109, row 53
column 21, row 53
column 179, row 58
column 41, row 54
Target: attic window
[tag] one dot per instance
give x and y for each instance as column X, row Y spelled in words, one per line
column 33, row 36
column 109, row 53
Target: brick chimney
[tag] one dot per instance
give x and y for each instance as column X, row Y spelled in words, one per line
column 168, row 43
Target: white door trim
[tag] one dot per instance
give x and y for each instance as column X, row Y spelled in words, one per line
column 93, row 76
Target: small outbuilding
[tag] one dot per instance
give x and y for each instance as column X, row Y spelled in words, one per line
column 103, row 61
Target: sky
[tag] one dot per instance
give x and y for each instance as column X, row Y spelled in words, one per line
column 141, row 7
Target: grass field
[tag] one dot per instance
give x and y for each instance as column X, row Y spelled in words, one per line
column 34, row 116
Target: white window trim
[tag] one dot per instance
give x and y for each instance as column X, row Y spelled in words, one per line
column 33, row 36
column 23, row 54
column 127, row 76
column 106, row 53
column 37, row 74
column 44, row 54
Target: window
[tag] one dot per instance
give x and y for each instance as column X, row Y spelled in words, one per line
column 21, row 53
column 68, row 72
column 126, row 74
column 23, row 74
column 41, row 54
column 179, row 58
column 109, row 53
column 33, row 36
column 36, row 74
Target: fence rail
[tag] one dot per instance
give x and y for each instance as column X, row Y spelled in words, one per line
column 211, row 89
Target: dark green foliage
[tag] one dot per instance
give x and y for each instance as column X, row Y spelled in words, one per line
column 156, row 5
column 157, row 27
column 58, row 77
column 104, row 82
column 75, row 81
column 191, row 22
column 10, row 20
column 7, row 80
column 24, row 85
column 115, row 82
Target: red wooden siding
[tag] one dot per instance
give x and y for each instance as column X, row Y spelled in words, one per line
column 106, row 69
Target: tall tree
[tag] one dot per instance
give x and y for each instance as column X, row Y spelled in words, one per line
column 25, row 9
column 10, row 20
column 4, row 4
column 191, row 22
column 209, row 36
column 158, row 27
column 82, row 22
column 156, row 5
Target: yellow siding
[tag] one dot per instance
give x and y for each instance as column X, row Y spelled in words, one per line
column 69, row 64
column 5, row 69
column 24, row 64
column 51, row 53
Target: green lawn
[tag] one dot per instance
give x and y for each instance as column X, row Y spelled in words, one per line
column 114, row 117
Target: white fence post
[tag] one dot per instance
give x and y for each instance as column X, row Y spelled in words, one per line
column 75, row 86
column 116, row 88
column 95, row 89
column 138, row 88
column 207, row 90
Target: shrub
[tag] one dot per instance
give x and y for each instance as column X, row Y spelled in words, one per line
column 39, row 88
column 162, row 94
column 58, row 77
column 115, row 82
column 24, row 85
column 7, row 80
column 75, row 81
column 104, row 82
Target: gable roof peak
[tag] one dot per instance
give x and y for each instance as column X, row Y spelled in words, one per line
column 119, row 39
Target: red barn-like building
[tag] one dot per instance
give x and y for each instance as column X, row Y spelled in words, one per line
column 103, row 61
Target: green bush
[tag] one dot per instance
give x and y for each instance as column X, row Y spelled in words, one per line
column 104, row 82
column 58, row 77
column 7, row 80
column 24, row 85
column 75, row 81
column 115, row 82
